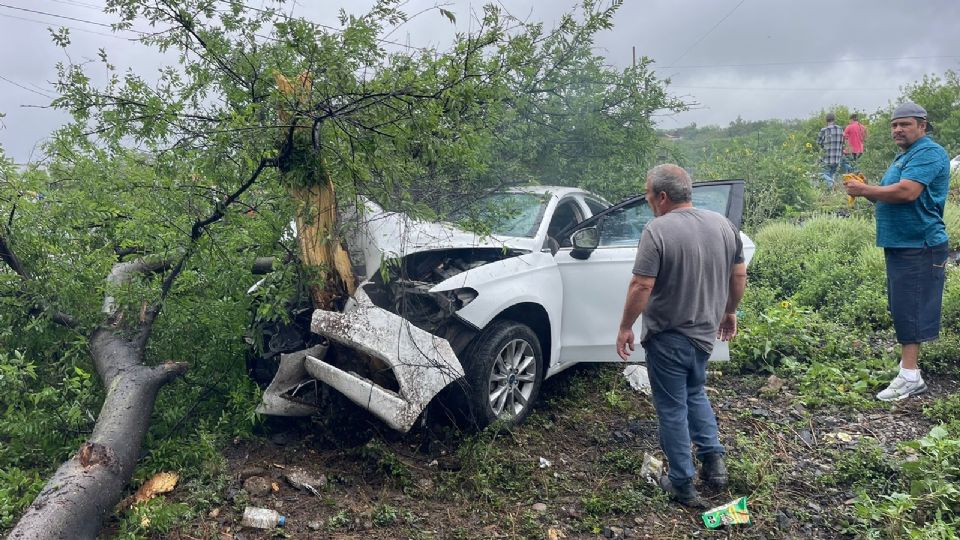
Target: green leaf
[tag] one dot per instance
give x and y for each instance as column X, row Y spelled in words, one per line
column 449, row 15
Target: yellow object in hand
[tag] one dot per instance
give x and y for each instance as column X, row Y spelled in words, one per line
column 853, row 177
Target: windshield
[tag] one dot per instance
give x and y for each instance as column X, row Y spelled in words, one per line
column 503, row 214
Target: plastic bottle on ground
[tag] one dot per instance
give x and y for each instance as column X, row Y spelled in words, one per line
column 262, row 518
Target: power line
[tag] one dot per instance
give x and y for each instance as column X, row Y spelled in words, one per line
column 55, row 15
column 800, row 62
column 320, row 25
column 67, row 26
column 28, row 89
column 80, row 4
column 791, row 89
column 707, row 33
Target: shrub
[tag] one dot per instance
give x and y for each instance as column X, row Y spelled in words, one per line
column 816, row 258
column 786, row 334
column 942, row 357
column 950, row 315
column 927, row 500
column 777, row 178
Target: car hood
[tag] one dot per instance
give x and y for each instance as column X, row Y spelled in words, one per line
column 379, row 235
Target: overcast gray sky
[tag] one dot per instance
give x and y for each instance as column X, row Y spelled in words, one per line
column 756, row 59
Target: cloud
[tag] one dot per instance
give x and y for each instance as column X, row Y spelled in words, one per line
column 755, row 59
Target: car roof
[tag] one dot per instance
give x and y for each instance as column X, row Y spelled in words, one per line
column 559, row 191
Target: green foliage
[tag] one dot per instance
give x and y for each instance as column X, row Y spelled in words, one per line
column 624, row 460
column 789, row 255
column 154, row 517
column 383, row 460
column 489, row 471
column 941, row 357
column 610, row 501
column 846, row 382
column 927, row 500
column 385, row 515
column 755, row 473
column 816, row 312
column 777, row 174
column 46, row 414
column 18, row 487
column 866, row 468
column 940, row 96
column 945, row 411
column 339, row 520
column 780, row 333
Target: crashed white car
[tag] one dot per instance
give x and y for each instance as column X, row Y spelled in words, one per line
column 483, row 319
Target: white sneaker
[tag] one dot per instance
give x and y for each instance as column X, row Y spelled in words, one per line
column 901, row 388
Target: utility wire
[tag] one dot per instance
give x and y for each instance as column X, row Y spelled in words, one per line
column 799, row 62
column 48, row 23
column 320, row 25
column 707, row 33
column 80, row 4
column 28, row 89
column 777, row 89
column 55, row 15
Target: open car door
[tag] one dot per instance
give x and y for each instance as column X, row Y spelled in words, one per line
column 595, row 282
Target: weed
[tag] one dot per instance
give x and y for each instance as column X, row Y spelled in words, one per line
column 928, row 496
column 623, row 460
column 755, row 472
column 386, row 515
column 867, row 467
column 339, row 520
column 386, row 462
column 945, row 411
column 490, row 470
column 154, row 517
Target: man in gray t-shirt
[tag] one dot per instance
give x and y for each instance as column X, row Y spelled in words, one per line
column 688, row 280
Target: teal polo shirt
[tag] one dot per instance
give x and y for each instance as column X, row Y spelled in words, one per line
column 917, row 223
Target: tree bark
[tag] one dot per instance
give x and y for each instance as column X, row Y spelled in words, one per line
column 87, row 487
column 320, row 245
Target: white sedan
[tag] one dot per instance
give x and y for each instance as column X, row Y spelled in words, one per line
column 480, row 321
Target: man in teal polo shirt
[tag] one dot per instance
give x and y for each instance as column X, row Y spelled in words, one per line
column 910, row 229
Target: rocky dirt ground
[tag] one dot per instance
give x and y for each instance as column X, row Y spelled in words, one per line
column 572, row 470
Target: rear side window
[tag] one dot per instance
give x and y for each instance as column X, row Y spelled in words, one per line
column 595, row 206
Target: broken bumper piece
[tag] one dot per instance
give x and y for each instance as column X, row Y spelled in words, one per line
column 422, row 363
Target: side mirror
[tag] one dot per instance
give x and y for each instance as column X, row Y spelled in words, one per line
column 584, row 242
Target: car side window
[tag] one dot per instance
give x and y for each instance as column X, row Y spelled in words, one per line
column 595, row 206
column 566, row 215
column 714, row 198
column 623, row 226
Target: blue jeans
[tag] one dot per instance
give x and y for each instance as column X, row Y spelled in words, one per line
column 828, row 172
column 678, row 370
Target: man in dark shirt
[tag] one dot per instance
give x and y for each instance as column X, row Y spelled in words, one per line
column 688, row 280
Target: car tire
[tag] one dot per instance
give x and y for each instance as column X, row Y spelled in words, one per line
column 503, row 371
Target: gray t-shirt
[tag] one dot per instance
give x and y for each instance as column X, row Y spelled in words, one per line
column 691, row 252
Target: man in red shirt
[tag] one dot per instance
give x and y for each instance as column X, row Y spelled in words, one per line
column 855, row 134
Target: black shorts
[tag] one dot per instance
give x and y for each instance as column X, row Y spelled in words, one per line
column 915, row 281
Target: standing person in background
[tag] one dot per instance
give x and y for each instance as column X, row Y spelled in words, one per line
column 830, row 140
column 910, row 229
column 688, row 279
column 855, row 134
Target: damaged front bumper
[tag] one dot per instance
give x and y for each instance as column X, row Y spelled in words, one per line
column 421, row 364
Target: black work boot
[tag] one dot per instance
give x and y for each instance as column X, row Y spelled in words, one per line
column 687, row 495
column 713, row 471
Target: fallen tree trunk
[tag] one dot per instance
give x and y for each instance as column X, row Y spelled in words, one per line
column 87, row 487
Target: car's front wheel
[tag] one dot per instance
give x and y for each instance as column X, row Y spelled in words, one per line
column 504, row 370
